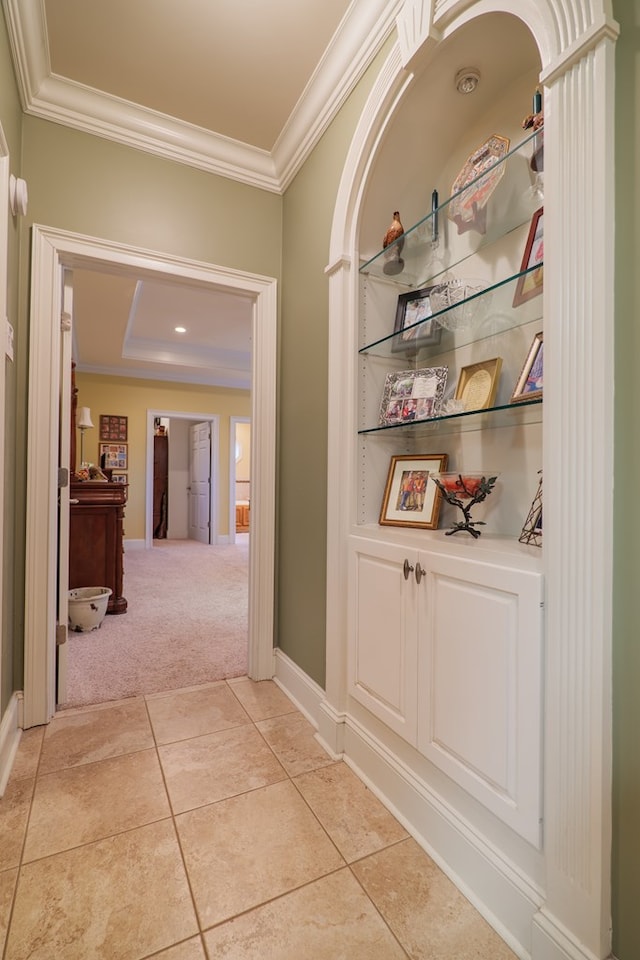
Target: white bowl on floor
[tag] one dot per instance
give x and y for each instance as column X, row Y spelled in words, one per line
column 87, row 608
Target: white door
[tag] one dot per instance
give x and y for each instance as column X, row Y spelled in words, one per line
column 64, row 454
column 200, row 483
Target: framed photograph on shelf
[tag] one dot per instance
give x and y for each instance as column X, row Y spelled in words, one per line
column 478, row 383
column 412, row 395
column 530, row 284
column 115, row 456
column 529, row 385
column 532, row 529
column 411, row 498
column 113, row 428
column 413, row 328
column 119, row 478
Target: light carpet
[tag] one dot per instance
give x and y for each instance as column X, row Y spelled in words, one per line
column 186, row 624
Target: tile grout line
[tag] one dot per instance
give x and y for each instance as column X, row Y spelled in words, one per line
column 20, row 863
column 177, row 836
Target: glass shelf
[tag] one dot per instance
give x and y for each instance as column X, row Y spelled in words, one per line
column 507, row 415
column 496, row 314
column 424, row 259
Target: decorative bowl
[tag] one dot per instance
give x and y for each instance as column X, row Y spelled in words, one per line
column 464, row 489
column 87, row 608
column 445, row 296
column 465, row 484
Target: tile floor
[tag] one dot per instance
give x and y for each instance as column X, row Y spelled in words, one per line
column 209, row 823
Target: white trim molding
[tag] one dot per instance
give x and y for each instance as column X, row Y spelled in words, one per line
column 10, row 734
column 569, row 918
column 52, row 250
column 362, row 31
column 5, row 217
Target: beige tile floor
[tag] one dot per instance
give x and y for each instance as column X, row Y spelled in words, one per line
column 209, row 823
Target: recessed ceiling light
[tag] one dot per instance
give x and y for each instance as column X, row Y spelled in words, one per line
column 467, row 79
column 180, row 329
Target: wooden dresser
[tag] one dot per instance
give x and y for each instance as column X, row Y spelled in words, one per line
column 95, row 538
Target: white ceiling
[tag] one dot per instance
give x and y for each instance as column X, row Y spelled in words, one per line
column 241, row 88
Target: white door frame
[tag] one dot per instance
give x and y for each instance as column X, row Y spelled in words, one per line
column 233, row 423
column 214, row 468
column 53, row 249
column 4, row 306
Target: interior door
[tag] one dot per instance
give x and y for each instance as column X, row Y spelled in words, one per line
column 64, row 449
column 200, row 483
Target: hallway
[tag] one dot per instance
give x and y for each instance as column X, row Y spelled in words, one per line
column 208, row 823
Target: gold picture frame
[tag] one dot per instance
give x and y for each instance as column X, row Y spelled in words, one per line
column 478, row 384
column 411, row 498
column 530, row 382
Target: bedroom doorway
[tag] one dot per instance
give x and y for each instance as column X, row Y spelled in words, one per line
column 53, row 250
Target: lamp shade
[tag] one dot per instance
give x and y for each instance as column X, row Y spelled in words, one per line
column 83, row 418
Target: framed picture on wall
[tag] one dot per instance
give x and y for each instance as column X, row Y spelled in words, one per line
column 115, row 456
column 119, row 478
column 113, row 428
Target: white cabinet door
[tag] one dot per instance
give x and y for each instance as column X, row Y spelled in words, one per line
column 383, row 634
column 480, row 670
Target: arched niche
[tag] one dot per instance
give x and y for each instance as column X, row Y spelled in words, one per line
column 571, row 49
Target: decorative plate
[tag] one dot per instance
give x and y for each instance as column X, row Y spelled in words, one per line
column 467, row 209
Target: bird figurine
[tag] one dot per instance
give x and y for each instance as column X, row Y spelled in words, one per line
column 395, row 230
column 393, row 261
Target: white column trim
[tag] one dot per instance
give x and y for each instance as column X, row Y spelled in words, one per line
column 578, row 443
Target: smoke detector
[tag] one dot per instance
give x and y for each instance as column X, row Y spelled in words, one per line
column 467, row 79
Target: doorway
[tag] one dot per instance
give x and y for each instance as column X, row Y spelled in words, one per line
column 180, row 510
column 52, row 251
column 240, row 476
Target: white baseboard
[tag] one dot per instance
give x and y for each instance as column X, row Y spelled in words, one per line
column 10, row 734
column 551, row 941
column 299, row 687
column 308, row 697
column 134, row 545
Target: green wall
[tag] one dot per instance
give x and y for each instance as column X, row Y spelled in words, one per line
column 302, row 531
column 626, row 626
column 11, row 119
column 91, row 186
column 126, row 397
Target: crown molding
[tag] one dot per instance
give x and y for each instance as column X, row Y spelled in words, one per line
column 362, row 31
column 210, row 378
column 364, row 28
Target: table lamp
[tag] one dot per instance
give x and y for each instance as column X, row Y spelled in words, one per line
column 83, row 422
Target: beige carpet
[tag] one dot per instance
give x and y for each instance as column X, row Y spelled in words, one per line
column 186, row 624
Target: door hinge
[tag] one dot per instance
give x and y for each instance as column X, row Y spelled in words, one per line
column 61, row 634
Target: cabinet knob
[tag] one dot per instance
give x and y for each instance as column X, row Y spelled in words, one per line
column 420, row 572
column 407, row 569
